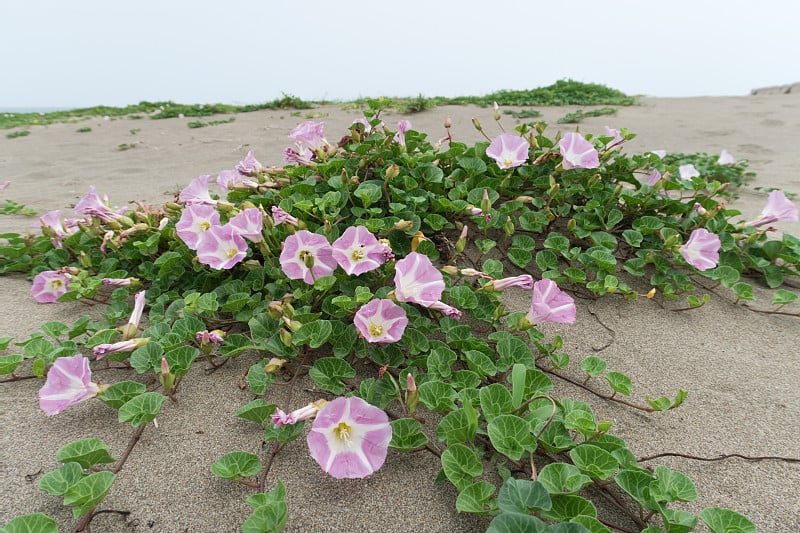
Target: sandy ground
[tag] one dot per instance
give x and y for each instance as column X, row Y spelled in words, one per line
column 739, row 366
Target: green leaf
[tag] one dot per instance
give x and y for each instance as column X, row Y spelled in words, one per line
column 85, row 452
column 258, row 411
column 31, row 523
column 520, row 257
column 285, row 433
column 54, row 329
column 511, row 436
column 180, row 359
column 368, row 192
column 773, row 276
column 58, row 481
column 524, row 242
column 440, row 362
column 485, row 245
column 147, row 357
column 592, row 525
column 262, row 327
column 679, row 521
column 257, row 379
column 436, row 222
column 671, row 486
column 562, row 478
column 406, row 435
column 480, row 363
column 556, row 241
column 141, row 409
column 9, row 363
column 493, row 268
column 188, row 327
column 546, row 260
column 516, row 523
column 416, row 341
column 463, row 297
column 513, row 350
column 647, row 224
column 121, row 392
column 518, row 375
column 593, row 365
column 523, row 496
column 637, row 484
column 633, row 237
column 236, row 465
column 267, row 518
column 4, row 341
column 313, row 333
column 437, row 396
column 495, row 401
column 567, row 506
column 328, row 373
column 461, row 465
column 744, row 291
column 595, row 462
column 783, row 297
column 457, row 426
column 619, row 382
column 721, row 520
column 88, row 492
column 659, row 404
column 324, row 283
column 475, row 498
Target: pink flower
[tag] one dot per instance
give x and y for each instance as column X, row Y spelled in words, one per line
column 53, row 227
column 208, row 337
column 230, row 179
column 197, row 192
column 307, row 256
column 660, row 153
column 299, row 155
column 132, row 327
column 311, row 134
column 48, row 286
column 654, row 178
column 102, row 350
column 617, row 138
column 358, row 251
column 364, row 122
column 92, row 205
column 221, row 247
column 508, row 151
column 249, row 166
column 702, row 211
column 417, row 280
column 69, row 381
column 447, row 310
column 702, row 249
column 248, row 224
column 117, row 282
column 577, row 152
column 195, row 221
column 687, row 172
column 279, row 216
column 778, row 208
column 525, row 281
column 381, row 321
column 550, row 304
column 402, row 127
column 725, row 158
column 350, row 438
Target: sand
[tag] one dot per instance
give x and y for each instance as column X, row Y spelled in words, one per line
column 740, row 367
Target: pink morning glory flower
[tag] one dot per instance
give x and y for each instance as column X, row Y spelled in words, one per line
column 48, row 286
column 402, row 127
column 221, row 247
column 248, row 224
column 307, row 256
column 231, row 179
column 92, row 205
column 102, row 350
column 132, row 327
column 381, row 321
column 702, row 249
column 69, row 381
column 350, row 438
column 197, row 192
column 550, row 304
column 299, row 155
column 617, row 137
column 209, row 337
column 654, row 178
column 687, row 172
column 725, row 158
column 577, row 152
column 447, row 310
column 195, row 220
column 280, row 418
column 118, row 282
column 508, row 151
column 310, row 134
column 660, row 153
column 417, row 280
column 358, row 251
column 778, row 208
column 279, row 216
column 364, row 122
column 249, row 166
column 525, row 281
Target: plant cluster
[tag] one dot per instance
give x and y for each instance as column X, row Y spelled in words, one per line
column 578, row 116
column 377, row 267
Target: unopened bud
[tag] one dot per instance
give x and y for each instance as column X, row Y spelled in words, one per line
column 392, row 172
column 412, row 395
column 571, row 225
column 509, row 228
column 524, row 199
column 166, row 378
column 477, row 124
column 273, row 365
column 496, row 111
column 450, row 270
column 84, row 260
column 403, row 225
column 275, row 309
column 448, row 123
column 286, row 337
column 327, row 228
column 486, row 203
column 293, row 325
column 461, row 243
column 308, row 259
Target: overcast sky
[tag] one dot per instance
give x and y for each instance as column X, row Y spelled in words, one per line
column 92, row 52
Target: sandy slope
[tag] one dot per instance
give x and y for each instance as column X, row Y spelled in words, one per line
column 739, row 366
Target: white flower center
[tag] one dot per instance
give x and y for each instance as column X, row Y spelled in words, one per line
column 376, row 330
column 342, row 432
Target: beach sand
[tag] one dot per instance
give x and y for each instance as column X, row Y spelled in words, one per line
column 740, row 367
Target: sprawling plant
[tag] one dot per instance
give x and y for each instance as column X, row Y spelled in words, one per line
column 388, row 253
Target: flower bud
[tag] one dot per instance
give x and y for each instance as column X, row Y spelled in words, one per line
column 450, row 270
column 477, row 124
column 293, row 325
column 524, row 199
column 84, row 260
column 571, row 225
column 448, row 123
column 273, row 365
column 392, row 172
column 461, row 243
column 166, row 378
column 509, row 228
column 275, row 309
column 496, row 111
column 486, row 204
column 412, row 394
column 286, row 337
column 403, row 225
column 327, row 228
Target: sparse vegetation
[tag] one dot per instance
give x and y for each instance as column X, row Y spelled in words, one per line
column 578, row 116
column 15, row 134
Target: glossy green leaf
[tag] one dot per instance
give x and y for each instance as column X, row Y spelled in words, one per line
column 88, row 492
column 461, row 465
column 721, row 520
column 511, row 436
column 258, row 411
column 9, row 363
column 595, row 462
column 315, row 334
column 565, row 507
column 407, row 435
column 31, row 523
column 523, row 496
column 619, row 382
column 121, row 392
column 57, row 482
column 562, row 478
column 236, row 465
column 437, row 396
column 85, row 452
column 457, row 426
column 495, row 400
column 593, row 365
column 141, row 409
column 475, row 498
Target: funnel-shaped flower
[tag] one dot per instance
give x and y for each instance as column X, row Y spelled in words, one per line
column 778, row 208
column 48, row 286
column 279, row 216
column 197, row 192
column 616, row 137
column 92, row 205
column 311, row 134
column 654, row 178
column 577, row 152
column 248, row 224
column 350, row 438
column 221, row 247
column 508, row 151
column 249, row 166
column 550, row 304
column 725, row 158
column 381, row 321
column 702, row 249
column 196, row 220
column 69, row 381
column 132, row 327
column 358, row 251
column 447, row 310
column 102, row 350
column 307, row 256
column 688, row 172
column 230, row 179
column 525, row 281
column 417, row 280
column 402, row 127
